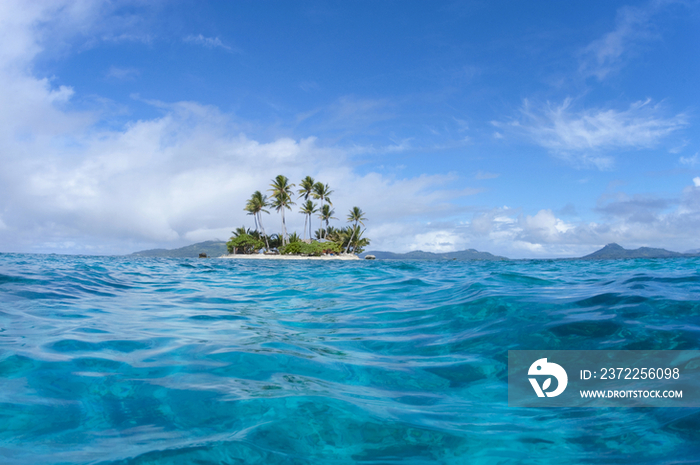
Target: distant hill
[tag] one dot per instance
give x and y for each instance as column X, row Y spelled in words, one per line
column 470, row 254
column 211, row 248
column 615, row 251
column 609, row 252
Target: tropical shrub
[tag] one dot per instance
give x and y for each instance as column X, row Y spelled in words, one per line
column 294, row 237
column 330, row 247
column 244, row 243
column 298, row 248
column 275, row 241
column 314, row 249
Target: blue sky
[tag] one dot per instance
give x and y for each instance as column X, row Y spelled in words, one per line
column 526, row 129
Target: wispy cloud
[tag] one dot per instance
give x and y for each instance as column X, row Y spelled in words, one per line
column 308, row 86
column 123, row 74
column 486, row 175
column 583, row 136
column 690, row 161
column 607, row 54
column 347, row 115
column 209, row 42
column 461, row 125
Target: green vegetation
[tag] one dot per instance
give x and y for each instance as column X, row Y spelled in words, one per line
column 356, row 216
column 244, row 243
column 282, row 199
column 255, row 206
column 323, row 192
column 329, row 240
column 314, row 249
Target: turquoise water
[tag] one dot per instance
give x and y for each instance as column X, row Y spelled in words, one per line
column 156, row 361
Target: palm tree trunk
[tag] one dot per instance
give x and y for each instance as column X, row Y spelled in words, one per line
column 305, row 219
column 267, row 244
column 350, row 241
column 320, row 226
column 284, row 229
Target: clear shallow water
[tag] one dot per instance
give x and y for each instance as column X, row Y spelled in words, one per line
column 145, row 361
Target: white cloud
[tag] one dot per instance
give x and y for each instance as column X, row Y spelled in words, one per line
column 582, row 136
column 485, row 175
column 690, row 161
column 438, row 241
column 607, row 54
column 544, row 226
column 208, row 42
column 68, row 184
column 122, row 74
column 308, row 86
column 461, row 125
column 632, row 221
column 184, row 176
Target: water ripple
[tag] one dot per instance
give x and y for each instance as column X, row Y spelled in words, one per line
column 125, row 360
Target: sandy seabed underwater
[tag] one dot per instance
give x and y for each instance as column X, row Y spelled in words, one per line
column 175, row 361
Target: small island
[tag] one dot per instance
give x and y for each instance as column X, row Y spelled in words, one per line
column 326, row 243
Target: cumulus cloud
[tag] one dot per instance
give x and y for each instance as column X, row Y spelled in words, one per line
column 186, row 176
column 584, row 136
column 633, row 221
column 68, row 185
column 71, row 184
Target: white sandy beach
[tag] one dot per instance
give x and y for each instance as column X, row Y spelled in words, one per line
column 291, row 257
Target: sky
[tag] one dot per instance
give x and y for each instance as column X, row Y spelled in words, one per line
column 525, row 129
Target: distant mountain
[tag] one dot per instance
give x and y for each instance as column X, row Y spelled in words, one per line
column 614, row 251
column 609, row 252
column 211, row 248
column 470, row 254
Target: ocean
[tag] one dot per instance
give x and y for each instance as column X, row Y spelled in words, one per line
column 120, row 360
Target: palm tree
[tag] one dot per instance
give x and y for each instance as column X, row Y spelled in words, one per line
column 256, row 206
column 355, row 216
column 322, row 192
column 275, row 241
column 250, row 208
column 294, row 237
column 307, row 187
column 326, row 214
column 339, row 236
column 240, row 231
column 282, row 195
column 308, row 208
column 360, row 242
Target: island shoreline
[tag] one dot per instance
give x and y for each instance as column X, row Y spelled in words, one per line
column 290, row 257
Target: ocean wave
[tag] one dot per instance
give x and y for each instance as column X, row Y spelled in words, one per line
column 133, row 360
